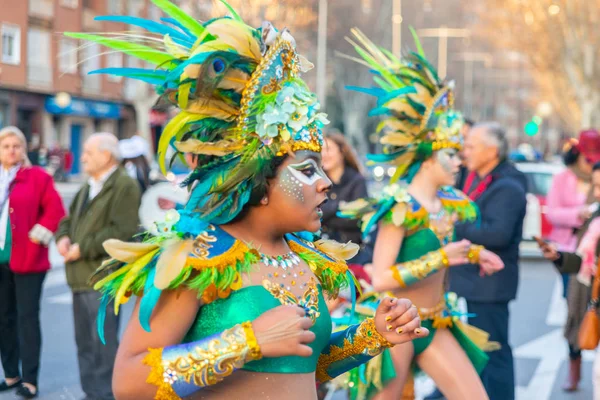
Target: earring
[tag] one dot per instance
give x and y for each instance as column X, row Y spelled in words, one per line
column 264, row 201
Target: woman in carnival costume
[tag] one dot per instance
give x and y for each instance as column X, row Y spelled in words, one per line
column 416, row 217
column 230, row 301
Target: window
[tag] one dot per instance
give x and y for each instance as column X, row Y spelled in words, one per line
column 69, row 3
column 115, row 60
column 90, row 58
column 115, row 7
column 11, row 44
column 67, row 62
column 39, row 65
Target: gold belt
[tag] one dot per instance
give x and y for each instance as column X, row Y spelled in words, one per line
column 436, row 314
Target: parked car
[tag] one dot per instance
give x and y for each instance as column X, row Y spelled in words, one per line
column 539, row 179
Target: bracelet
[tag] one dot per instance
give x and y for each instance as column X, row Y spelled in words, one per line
column 373, row 341
column 255, row 353
column 473, row 254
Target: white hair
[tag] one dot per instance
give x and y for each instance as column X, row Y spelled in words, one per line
column 108, row 142
column 16, row 132
column 495, row 135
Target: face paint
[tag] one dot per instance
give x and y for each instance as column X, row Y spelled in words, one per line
column 307, row 172
column 291, row 186
column 447, row 159
column 296, row 176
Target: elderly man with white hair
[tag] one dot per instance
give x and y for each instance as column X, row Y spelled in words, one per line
column 106, row 207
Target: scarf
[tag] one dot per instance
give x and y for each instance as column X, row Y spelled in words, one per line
column 6, row 179
column 480, row 188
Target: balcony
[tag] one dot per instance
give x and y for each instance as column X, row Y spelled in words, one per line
column 43, row 9
column 39, row 76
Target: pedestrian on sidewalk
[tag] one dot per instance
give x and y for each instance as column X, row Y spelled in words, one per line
column 582, row 262
column 498, row 189
column 569, row 205
column 106, row 207
column 30, row 210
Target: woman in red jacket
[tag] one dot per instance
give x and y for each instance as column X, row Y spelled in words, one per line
column 30, row 210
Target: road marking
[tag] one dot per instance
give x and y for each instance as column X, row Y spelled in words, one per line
column 557, row 313
column 63, row 298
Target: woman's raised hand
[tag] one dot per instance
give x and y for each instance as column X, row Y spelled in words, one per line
column 398, row 321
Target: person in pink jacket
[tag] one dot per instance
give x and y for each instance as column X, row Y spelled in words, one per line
column 569, row 205
column 30, row 210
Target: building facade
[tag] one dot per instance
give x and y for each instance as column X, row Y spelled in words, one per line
column 45, row 88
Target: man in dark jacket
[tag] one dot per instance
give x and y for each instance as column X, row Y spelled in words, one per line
column 499, row 190
column 104, row 208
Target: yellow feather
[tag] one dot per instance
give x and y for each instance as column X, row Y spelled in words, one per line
column 220, row 148
column 112, row 276
column 399, row 213
column 127, row 252
column 235, row 80
column 136, row 267
column 173, row 128
column 171, row 262
column 403, row 162
column 173, row 48
column 210, row 108
column 237, row 35
column 192, row 70
column 184, row 93
column 397, row 139
column 339, row 251
column 400, row 105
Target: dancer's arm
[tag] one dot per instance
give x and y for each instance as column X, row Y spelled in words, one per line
column 147, row 360
column 396, row 321
column 388, row 275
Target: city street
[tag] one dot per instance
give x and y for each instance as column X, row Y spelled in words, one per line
column 537, row 315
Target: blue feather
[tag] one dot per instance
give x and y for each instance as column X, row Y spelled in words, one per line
column 362, row 373
column 383, row 158
column 154, row 77
column 396, row 93
column 379, row 111
column 150, row 298
column 102, row 316
column 176, row 23
column 383, row 209
column 150, row 26
column 352, row 293
column 373, row 91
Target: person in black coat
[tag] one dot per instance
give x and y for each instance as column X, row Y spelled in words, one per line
column 499, row 190
column 464, row 171
column 344, row 169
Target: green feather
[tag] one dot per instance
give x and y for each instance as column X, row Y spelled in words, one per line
column 233, row 13
column 140, row 51
column 184, row 19
column 417, row 42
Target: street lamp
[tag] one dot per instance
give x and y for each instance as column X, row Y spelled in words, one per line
column 322, row 53
column 397, row 28
column 443, row 33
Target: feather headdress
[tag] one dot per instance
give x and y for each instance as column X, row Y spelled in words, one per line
column 416, row 106
column 241, row 99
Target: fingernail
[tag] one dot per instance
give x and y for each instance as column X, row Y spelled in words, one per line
column 388, row 318
column 418, row 331
column 399, row 331
column 393, row 300
column 389, row 328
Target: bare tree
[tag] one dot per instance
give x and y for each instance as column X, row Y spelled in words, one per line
column 561, row 41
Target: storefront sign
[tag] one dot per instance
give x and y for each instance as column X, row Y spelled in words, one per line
column 84, row 108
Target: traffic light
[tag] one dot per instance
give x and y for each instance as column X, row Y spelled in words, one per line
column 532, row 128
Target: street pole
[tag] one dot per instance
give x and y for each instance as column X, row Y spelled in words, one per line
column 470, row 58
column 397, row 28
column 443, row 33
column 322, row 54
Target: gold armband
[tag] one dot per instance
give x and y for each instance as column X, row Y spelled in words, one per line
column 410, row 272
column 473, row 255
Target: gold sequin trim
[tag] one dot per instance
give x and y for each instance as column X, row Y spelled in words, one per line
column 367, row 341
column 236, row 253
column 474, row 252
column 156, row 377
column 211, row 362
